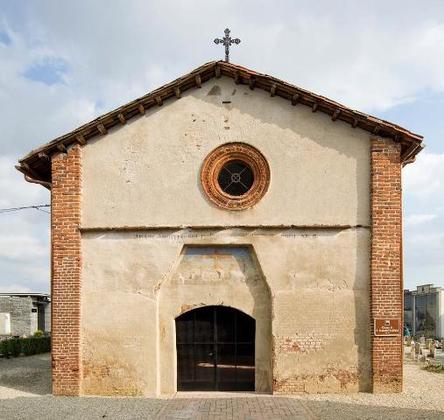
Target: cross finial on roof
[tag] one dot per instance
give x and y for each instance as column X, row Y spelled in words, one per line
column 227, row 41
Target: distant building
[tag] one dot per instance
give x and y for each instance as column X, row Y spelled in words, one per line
column 24, row 313
column 424, row 311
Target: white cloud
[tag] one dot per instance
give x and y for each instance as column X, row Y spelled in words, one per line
column 21, row 247
column 418, row 219
column 366, row 56
column 425, row 178
column 14, row 288
column 429, row 240
column 24, row 235
column 369, row 55
column 424, row 219
column 14, row 191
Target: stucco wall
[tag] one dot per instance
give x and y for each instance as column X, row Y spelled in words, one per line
column 319, row 287
column 205, row 276
column 147, row 173
column 308, row 236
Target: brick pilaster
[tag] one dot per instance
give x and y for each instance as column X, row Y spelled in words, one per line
column 66, row 271
column 386, row 261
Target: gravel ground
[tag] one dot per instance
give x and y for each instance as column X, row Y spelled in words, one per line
column 25, row 376
column 422, row 391
column 25, row 394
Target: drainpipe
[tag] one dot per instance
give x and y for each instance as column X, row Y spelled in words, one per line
column 46, row 184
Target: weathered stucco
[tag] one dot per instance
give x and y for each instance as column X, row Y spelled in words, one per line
column 318, row 282
column 305, row 275
column 147, row 173
column 229, row 276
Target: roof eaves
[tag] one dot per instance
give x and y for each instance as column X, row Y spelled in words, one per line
column 35, row 164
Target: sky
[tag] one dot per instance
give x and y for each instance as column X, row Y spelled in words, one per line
column 64, row 63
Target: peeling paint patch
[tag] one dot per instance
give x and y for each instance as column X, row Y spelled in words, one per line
column 333, row 380
column 303, row 343
column 109, row 377
column 185, row 308
column 345, row 377
column 291, row 346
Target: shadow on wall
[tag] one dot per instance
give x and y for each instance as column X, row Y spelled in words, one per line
column 277, row 112
column 277, row 116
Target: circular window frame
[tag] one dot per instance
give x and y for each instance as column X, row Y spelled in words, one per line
column 214, row 163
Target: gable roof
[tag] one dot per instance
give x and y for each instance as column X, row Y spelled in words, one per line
column 36, row 164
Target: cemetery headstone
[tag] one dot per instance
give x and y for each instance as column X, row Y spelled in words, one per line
column 412, row 351
column 432, row 350
column 417, row 350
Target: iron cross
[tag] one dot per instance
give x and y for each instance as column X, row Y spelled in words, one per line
column 227, row 41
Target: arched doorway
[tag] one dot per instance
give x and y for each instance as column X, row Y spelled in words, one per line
column 215, row 350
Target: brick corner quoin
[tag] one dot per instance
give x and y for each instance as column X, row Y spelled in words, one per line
column 66, row 271
column 386, row 263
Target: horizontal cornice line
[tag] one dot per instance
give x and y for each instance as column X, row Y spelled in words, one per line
column 218, row 227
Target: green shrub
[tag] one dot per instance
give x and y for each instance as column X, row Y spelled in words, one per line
column 38, row 334
column 14, row 347
column 36, row 345
column 10, row 347
column 43, row 344
column 28, row 346
column 47, row 344
column 4, row 349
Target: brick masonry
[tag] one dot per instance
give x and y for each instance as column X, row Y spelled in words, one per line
column 66, row 271
column 386, row 261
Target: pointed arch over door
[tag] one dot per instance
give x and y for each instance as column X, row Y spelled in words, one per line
column 215, row 350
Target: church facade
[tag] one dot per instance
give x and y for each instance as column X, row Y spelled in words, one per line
column 227, row 231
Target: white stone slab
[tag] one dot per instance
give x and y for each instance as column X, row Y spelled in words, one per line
column 5, row 323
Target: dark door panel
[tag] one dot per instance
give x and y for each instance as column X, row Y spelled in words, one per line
column 215, row 350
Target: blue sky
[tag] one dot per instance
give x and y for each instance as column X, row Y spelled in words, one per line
column 49, row 71
column 64, row 63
